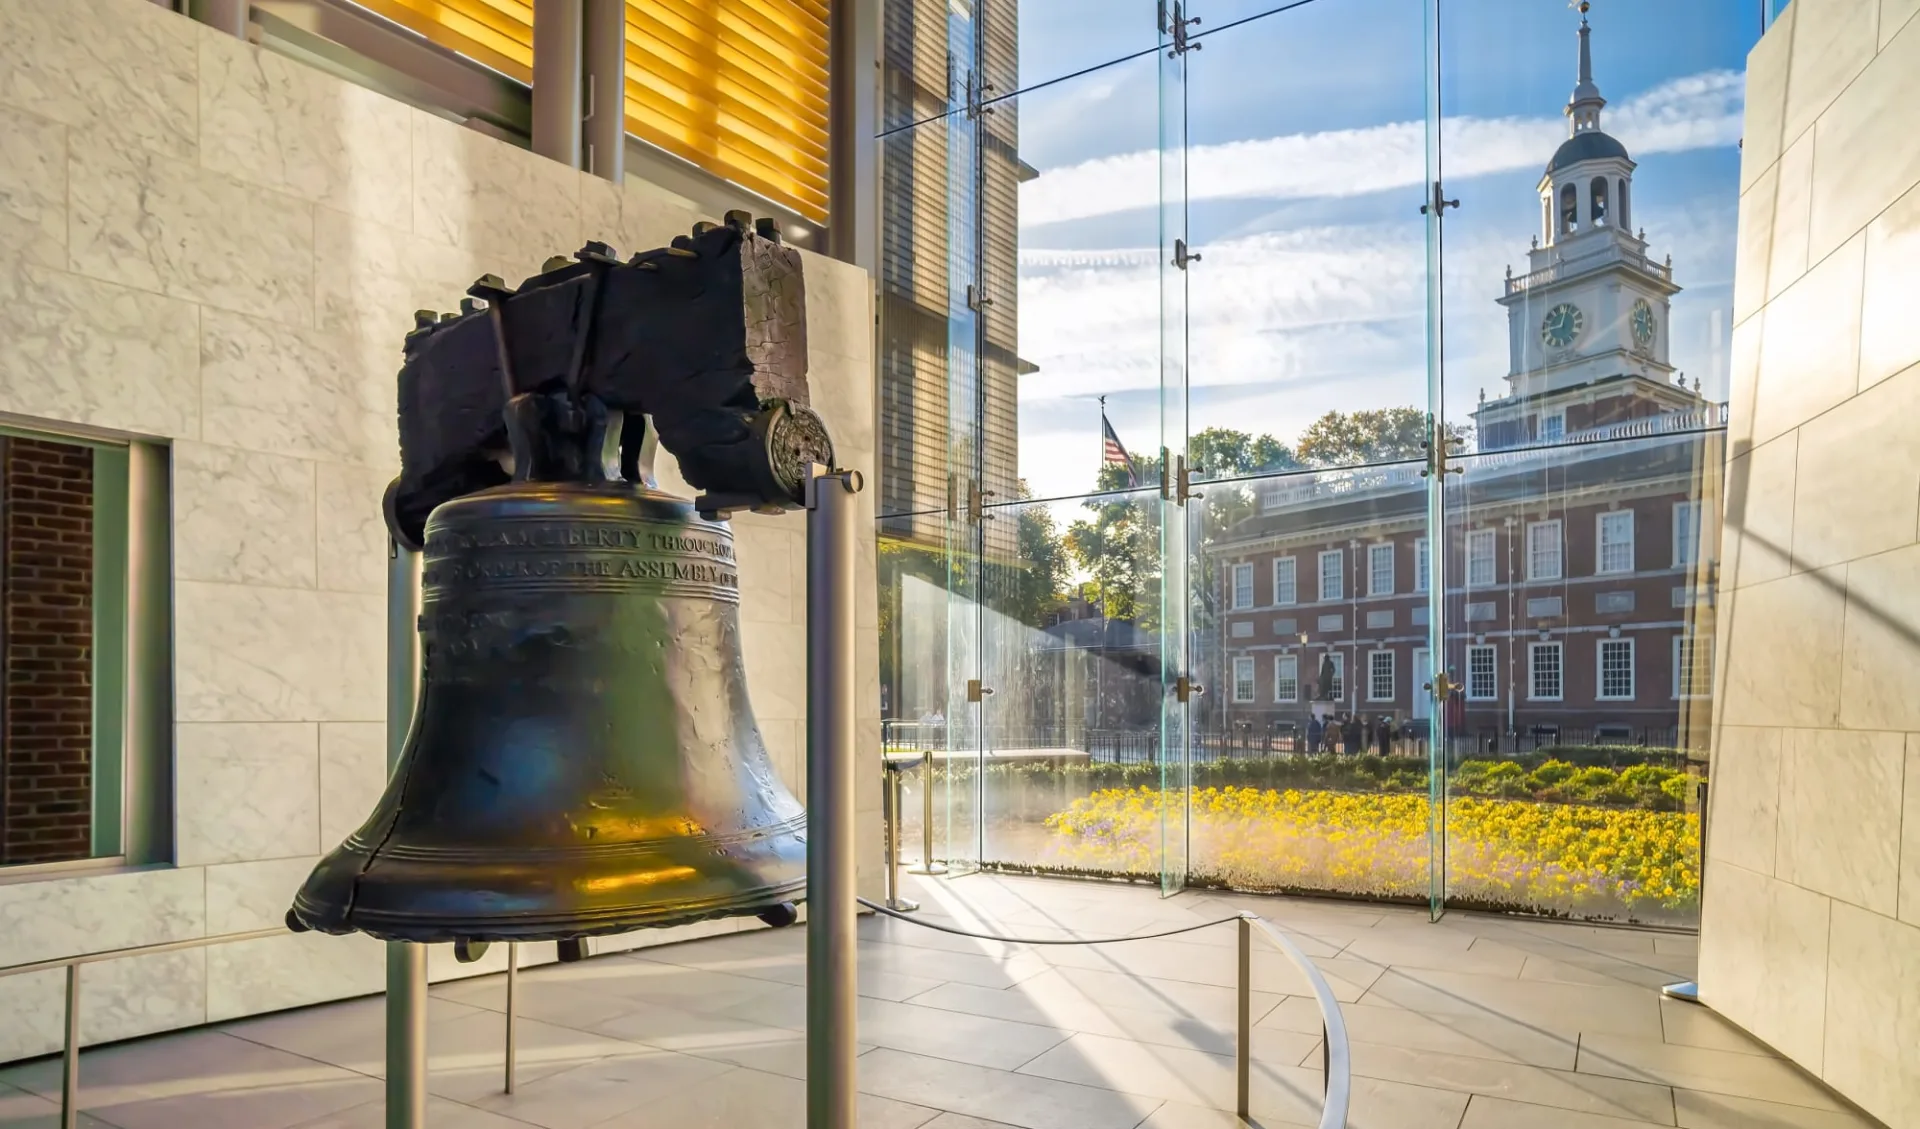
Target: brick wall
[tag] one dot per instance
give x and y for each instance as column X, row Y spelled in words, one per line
column 46, row 627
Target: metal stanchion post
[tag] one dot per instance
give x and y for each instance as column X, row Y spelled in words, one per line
column 406, row 963
column 832, row 518
column 1243, row 1019
column 927, row 865
column 891, row 799
column 70, row 1055
column 513, row 977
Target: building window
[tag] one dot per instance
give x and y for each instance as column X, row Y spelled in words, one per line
column 1616, row 670
column 1686, row 533
column 1380, row 676
column 1544, row 668
column 1333, row 567
column 1242, row 586
column 1380, row 570
column 1692, row 666
column 1243, row 678
column 1553, row 427
column 1285, row 590
column 1483, row 682
column 1422, row 562
column 1286, row 678
column 1543, row 550
column 1614, row 538
column 63, row 525
column 1480, row 570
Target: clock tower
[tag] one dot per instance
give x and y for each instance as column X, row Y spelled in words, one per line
column 1587, row 321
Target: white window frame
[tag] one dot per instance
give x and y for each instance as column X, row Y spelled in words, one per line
column 1422, row 565
column 1535, row 529
column 1289, row 592
column 1492, row 653
column 1600, row 648
column 1475, row 539
column 1698, row 654
column 1240, row 663
column 1376, row 554
column 1338, row 558
column 1686, row 545
column 1534, row 651
column 1374, row 673
column 1339, row 692
column 1552, row 435
column 1291, row 663
column 1601, row 544
column 1242, row 572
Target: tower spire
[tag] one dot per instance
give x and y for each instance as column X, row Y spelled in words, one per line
column 1583, row 109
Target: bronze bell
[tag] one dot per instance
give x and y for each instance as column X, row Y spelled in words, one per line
column 582, row 758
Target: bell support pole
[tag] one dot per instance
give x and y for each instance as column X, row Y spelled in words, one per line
column 406, row 963
column 832, row 518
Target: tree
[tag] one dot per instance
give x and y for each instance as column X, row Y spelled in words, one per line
column 1034, row 583
column 1119, row 547
column 1224, row 452
column 1371, row 435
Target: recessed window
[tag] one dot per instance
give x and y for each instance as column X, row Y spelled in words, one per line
column 1686, row 533
column 1338, row 690
column 1242, row 586
column 1543, row 551
column 1616, row 670
column 1243, row 678
column 1380, row 676
column 1553, row 427
column 1285, row 590
column 1615, row 541
column 1544, row 672
column 1422, row 563
column 1483, row 682
column 1333, row 567
column 1480, row 562
column 1692, row 666
column 1286, row 678
column 1380, row 570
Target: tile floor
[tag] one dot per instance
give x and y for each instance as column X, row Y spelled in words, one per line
column 1475, row 1023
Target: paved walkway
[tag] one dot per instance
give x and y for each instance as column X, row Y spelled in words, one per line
column 1475, row 1023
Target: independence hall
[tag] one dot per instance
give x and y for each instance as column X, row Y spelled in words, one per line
column 1579, row 539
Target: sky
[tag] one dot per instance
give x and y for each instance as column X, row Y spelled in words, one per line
column 1305, row 164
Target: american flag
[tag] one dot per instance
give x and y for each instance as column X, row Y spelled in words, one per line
column 1111, row 452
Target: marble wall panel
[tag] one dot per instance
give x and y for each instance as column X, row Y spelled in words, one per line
column 1910, row 837
column 1810, row 350
column 1882, row 648
column 1757, row 539
column 1868, row 440
column 353, row 775
column 1763, row 965
column 1873, row 986
column 33, row 1004
column 635, row 216
column 277, row 654
column 1743, row 379
column 350, row 529
column 370, row 279
column 1746, row 797
column 59, row 332
column 1833, row 41
column 770, row 590
column 119, row 999
column 246, row 896
column 1894, row 16
column 1766, row 100
column 1889, row 331
column 1857, row 172
column 1840, row 801
column 1753, row 248
column 1782, row 651
column 169, row 226
column 120, row 71
column 277, row 123
column 33, row 190
column 491, row 197
column 243, row 517
column 273, row 973
column 246, row 790
column 303, row 393
column 41, row 920
column 1792, row 212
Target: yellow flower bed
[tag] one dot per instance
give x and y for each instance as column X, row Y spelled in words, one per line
column 1592, row 861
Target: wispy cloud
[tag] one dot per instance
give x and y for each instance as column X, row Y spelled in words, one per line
column 1692, row 112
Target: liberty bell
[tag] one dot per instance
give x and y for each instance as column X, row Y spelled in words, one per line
column 583, row 758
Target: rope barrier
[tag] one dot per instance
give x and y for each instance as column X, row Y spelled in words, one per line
column 958, row 932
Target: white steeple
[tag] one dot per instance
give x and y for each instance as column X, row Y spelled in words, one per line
column 1583, row 109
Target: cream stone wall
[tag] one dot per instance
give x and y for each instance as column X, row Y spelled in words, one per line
column 1811, row 935
column 220, row 249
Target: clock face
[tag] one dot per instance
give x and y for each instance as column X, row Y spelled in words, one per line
column 1645, row 325
column 1561, row 325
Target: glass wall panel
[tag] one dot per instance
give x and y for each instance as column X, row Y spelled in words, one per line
column 1073, row 748
column 1580, row 635
column 1309, row 756
column 1306, row 168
